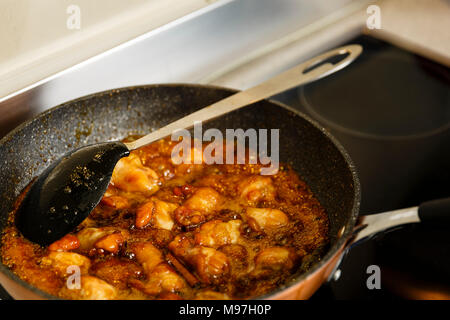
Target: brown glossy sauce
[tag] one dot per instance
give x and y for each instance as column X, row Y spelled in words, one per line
column 189, row 231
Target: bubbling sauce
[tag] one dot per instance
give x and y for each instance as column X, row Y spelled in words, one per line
column 187, row 231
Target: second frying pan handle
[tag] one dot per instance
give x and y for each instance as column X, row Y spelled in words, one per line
column 311, row 70
column 430, row 212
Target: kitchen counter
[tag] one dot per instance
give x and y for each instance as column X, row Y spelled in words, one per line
column 41, row 38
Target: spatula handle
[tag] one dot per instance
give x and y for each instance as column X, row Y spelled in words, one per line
column 311, row 70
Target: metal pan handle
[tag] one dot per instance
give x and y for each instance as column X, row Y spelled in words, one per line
column 430, row 212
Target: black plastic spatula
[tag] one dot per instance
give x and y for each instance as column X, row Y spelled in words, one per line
column 67, row 191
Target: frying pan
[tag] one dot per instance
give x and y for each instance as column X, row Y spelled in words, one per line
column 111, row 115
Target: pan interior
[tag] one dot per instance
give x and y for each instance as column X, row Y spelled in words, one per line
column 113, row 115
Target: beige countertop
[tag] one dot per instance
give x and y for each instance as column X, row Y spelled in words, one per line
column 37, row 43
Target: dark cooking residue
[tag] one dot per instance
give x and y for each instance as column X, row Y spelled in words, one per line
column 189, row 231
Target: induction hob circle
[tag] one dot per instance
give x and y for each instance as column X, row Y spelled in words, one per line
column 387, row 96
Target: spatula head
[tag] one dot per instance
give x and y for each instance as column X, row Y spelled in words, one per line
column 67, row 191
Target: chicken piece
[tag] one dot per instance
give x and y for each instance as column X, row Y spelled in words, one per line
column 181, row 245
column 66, row 243
column 210, row 264
column 147, row 255
column 187, row 217
column 216, row 233
column 160, row 276
column 162, row 279
column 89, row 236
column 266, row 219
column 203, row 201
column 144, row 214
column 61, row 261
column 157, row 213
column 163, row 214
column 116, row 202
column 276, row 259
column 131, row 175
column 92, row 288
column 255, row 189
column 111, row 242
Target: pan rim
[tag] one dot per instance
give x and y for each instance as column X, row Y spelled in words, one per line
column 332, row 251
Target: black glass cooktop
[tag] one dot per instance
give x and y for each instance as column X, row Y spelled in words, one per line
column 391, row 111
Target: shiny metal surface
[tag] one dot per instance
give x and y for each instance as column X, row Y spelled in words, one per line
column 383, row 221
column 188, row 51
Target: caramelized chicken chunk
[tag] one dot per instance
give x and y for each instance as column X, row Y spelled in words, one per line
column 111, row 242
column 147, row 255
column 131, row 175
column 88, row 237
column 212, row 266
column 162, row 279
column 157, row 213
column 116, row 202
column 66, row 243
column 276, row 258
column 203, row 201
column 216, row 233
column 255, row 189
column 266, row 219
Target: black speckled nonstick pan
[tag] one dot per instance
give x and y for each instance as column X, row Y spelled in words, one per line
column 115, row 114
column 112, row 115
